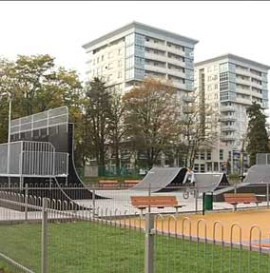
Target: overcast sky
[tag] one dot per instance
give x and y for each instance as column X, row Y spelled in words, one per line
column 61, row 28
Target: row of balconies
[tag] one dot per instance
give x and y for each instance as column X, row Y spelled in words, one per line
column 165, row 59
column 164, row 47
column 247, row 73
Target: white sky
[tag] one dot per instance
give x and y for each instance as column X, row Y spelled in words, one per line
column 61, row 28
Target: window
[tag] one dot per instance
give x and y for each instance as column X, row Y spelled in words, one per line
column 119, row 74
column 224, row 76
column 223, row 67
column 196, row 167
column 202, row 156
column 202, row 168
column 224, row 86
column 220, row 154
column 102, row 58
column 119, row 51
column 208, row 155
column 209, row 167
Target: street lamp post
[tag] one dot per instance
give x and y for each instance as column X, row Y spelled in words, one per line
column 9, row 140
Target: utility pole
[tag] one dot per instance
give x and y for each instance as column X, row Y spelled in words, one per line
column 9, row 140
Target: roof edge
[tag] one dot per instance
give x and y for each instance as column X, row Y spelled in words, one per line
column 137, row 24
column 235, row 57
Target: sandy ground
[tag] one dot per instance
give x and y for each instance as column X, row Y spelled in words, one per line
column 240, row 227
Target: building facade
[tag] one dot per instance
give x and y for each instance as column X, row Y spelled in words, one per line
column 135, row 51
column 126, row 56
column 229, row 84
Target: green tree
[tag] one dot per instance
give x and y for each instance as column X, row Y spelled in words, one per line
column 257, row 137
column 151, row 117
column 97, row 115
column 116, row 127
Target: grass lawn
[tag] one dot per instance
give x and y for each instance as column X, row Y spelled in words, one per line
column 92, row 247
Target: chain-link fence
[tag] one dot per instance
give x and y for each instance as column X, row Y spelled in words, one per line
column 49, row 235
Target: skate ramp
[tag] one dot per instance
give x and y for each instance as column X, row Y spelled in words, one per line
column 52, row 127
column 258, row 174
column 161, row 179
column 209, row 182
column 255, row 182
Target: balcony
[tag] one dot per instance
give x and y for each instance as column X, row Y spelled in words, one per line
column 155, row 57
column 243, row 81
column 178, row 84
column 256, row 76
column 176, row 51
column 227, row 138
column 243, row 91
column 227, row 108
column 176, row 62
column 227, row 128
column 256, row 94
column 176, row 73
column 227, row 118
column 242, row 72
column 158, row 69
column 255, row 84
column 243, row 101
column 155, row 45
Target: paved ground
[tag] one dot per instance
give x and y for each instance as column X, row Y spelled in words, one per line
column 120, row 200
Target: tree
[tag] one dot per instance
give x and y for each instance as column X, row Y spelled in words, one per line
column 199, row 125
column 151, row 117
column 116, row 127
column 256, row 134
column 97, row 114
column 36, row 85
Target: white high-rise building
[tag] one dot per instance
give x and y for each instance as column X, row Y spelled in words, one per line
column 230, row 84
column 127, row 55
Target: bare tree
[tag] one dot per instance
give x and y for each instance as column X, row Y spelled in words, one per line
column 199, row 128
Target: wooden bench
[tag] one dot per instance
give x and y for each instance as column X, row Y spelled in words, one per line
column 236, row 198
column 108, row 184
column 130, row 183
column 143, row 202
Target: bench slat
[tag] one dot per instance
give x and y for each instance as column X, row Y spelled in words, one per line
column 154, row 201
column 236, row 198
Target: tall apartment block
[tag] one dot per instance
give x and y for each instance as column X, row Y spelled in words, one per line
column 229, row 84
column 127, row 55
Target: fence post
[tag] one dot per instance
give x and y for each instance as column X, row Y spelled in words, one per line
column 149, row 243
column 44, row 237
column 196, row 197
column 267, row 194
column 26, row 203
column 94, row 200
